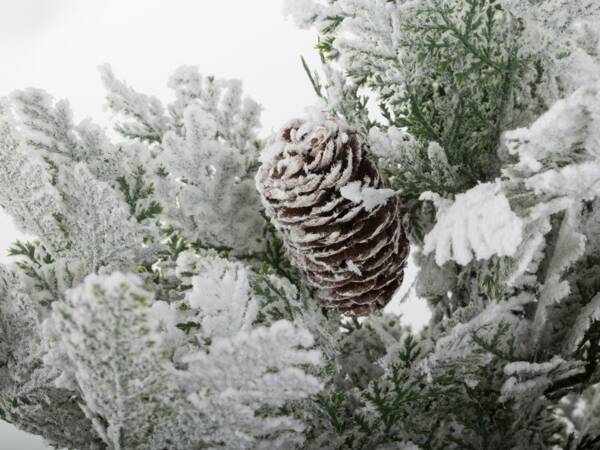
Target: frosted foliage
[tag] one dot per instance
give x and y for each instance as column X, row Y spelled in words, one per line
column 27, row 192
column 38, row 406
column 478, row 224
column 241, row 368
column 222, row 294
column 304, row 12
column 399, row 150
column 47, row 127
column 104, row 329
column 249, row 369
column 143, row 116
column 585, row 318
column 563, row 33
column 547, row 17
column 529, row 380
column 76, row 214
column 569, row 247
column 370, row 30
column 374, row 39
column 558, row 167
column 108, row 341
column 366, row 39
column 570, row 244
column 581, row 181
column 558, row 164
column 458, row 343
column 211, row 184
column 557, row 159
column 155, row 308
column 559, row 153
column 203, row 167
column 17, row 320
column 567, row 132
column 236, row 117
column 384, row 144
column 552, row 189
column 98, row 221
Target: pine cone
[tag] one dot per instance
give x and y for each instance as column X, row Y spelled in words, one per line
column 341, row 229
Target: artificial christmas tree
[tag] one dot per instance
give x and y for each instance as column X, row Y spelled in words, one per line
column 341, row 227
column 157, row 309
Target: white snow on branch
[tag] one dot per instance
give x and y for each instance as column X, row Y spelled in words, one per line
column 105, row 333
column 141, row 116
column 570, row 127
column 250, row 370
column 479, row 224
column 304, row 12
column 586, row 317
column 577, row 181
column 223, row 295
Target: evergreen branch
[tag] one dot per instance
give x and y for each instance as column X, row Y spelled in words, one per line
column 34, row 264
column 417, row 113
column 464, row 38
column 592, row 358
column 493, row 345
column 506, row 92
column 314, row 78
column 136, row 193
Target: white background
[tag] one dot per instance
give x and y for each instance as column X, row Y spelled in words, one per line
column 58, row 44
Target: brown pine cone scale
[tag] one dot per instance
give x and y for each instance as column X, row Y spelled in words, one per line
column 340, row 226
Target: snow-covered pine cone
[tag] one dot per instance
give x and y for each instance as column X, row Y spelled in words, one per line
column 342, row 229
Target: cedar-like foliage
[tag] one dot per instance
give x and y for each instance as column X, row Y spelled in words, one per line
column 156, row 308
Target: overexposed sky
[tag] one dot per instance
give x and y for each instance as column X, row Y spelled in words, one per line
column 57, row 45
column 59, row 48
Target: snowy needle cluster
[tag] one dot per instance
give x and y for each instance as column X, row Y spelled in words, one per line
column 155, row 307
